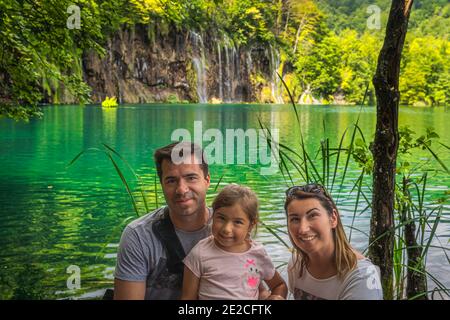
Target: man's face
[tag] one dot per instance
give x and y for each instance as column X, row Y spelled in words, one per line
column 184, row 187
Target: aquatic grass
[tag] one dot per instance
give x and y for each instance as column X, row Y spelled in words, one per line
column 272, row 230
column 155, row 188
column 358, row 184
column 114, row 235
column 306, row 166
column 125, row 183
column 134, row 174
column 281, row 265
column 405, row 267
column 109, row 152
column 218, row 182
column 440, row 286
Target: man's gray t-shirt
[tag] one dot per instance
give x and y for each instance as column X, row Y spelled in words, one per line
column 141, row 256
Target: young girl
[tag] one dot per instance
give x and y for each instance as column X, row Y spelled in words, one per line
column 228, row 264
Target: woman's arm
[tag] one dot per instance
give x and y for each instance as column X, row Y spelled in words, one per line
column 190, row 285
column 277, row 287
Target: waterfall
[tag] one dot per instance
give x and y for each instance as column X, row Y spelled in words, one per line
column 220, row 81
column 227, row 74
column 275, row 83
column 201, row 80
column 249, row 62
column 120, row 92
column 198, row 60
column 237, row 60
column 232, row 70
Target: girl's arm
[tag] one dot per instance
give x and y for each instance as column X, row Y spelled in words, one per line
column 277, row 287
column 263, row 292
column 190, row 285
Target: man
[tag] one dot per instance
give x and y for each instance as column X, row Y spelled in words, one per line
column 149, row 259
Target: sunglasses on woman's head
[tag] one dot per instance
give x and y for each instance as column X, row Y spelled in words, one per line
column 310, row 188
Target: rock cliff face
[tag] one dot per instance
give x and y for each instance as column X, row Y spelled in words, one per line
column 147, row 64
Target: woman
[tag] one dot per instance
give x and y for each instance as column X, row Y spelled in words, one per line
column 323, row 264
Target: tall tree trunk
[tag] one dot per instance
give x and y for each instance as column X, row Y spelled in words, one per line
column 386, row 143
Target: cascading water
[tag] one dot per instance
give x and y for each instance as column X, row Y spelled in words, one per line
column 232, row 71
column 198, row 61
column 275, row 83
column 229, row 77
column 220, row 81
column 237, row 68
column 227, row 73
column 249, row 62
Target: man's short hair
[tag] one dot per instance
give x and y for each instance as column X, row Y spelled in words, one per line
column 165, row 153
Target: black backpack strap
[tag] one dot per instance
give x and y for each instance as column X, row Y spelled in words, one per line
column 108, row 295
column 165, row 231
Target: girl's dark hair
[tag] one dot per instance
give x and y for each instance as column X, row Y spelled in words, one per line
column 235, row 194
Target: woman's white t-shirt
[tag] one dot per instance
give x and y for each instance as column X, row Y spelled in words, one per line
column 362, row 283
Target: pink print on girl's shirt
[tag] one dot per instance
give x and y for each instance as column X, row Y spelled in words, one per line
column 252, row 274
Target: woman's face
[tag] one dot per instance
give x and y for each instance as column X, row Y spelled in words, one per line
column 310, row 226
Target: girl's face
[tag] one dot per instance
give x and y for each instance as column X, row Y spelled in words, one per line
column 231, row 227
column 310, row 226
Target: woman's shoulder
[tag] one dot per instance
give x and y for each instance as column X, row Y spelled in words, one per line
column 363, row 282
column 359, row 255
column 364, row 266
column 294, row 262
column 363, row 269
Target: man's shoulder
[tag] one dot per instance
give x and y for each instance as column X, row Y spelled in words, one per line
column 146, row 220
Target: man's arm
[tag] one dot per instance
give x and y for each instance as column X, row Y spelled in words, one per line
column 131, row 266
column 129, row 290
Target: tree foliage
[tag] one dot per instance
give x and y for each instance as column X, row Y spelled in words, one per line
column 41, row 56
column 325, row 45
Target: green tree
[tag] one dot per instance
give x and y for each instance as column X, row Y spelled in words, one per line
column 318, row 66
column 425, row 72
column 41, row 56
column 357, row 64
column 250, row 20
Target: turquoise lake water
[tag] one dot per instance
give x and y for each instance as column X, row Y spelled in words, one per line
column 54, row 216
